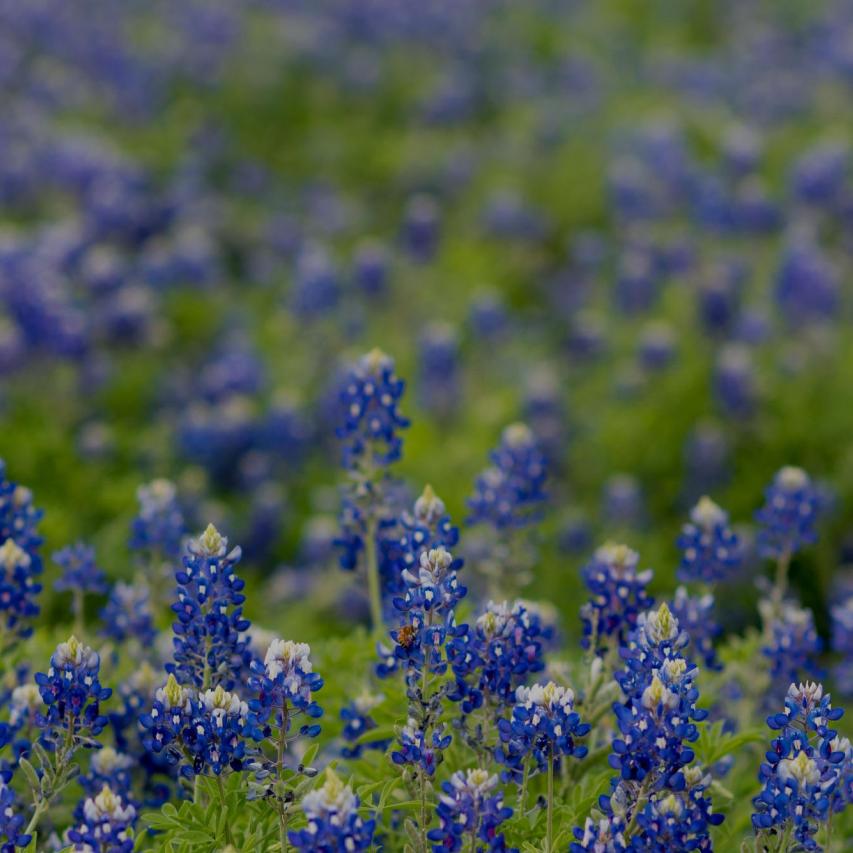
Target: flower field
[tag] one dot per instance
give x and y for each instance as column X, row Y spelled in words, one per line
column 425, row 426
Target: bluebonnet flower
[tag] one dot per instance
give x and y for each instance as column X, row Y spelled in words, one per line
column 106, row 825
column 803, row 767
column 127, row 615
column 79, row 571
column 657, row 346
column 695, row 615
column 421, row 228
column 792, row 643
column 790, row 512
column 488, row 315
column 842, row 644
column 420, row 747
column 73, row 694
column 159, row 526
column 25, row 705
column 370, row 418
column 204, row 732
column 544, row 726
column 371, row 269
column 210, row 647
column 316, row 285
column 439, row 369
column 622, row 501
column 734, row 381
column 283, row 687
column 334, row 823
column 12, row 821
column 497, row 655
column 677, row 820
column 618, row 595
column 110, row 768
column 706, row 458
column 605, row 835
column 710, row 549
column 511, row 492
column 651, row 751
column 470, row 808
column 357, row 723
column 18, row 591
column 19, row 519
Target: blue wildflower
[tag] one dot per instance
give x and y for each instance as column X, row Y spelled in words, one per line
column 79, row 571
column 439, row 369
column 11, row 820
column 127, row 615
column 18, row 591
column 803, row 767
column 334, row 823
column 210, row 647
column 106, row 825
column 470, row 808
column 357, row 723
column 792, row 642
column 19, row 519
column 110, row 768
column 159, row 526
column 421, row 748
column 605, row 835
column 710, row 549
column 73, row 694
column 544, row 726
column 618, row 595
column 842, row 644
column 283, row 688
column 511, row 492
column 501, row 651
column 695, row 615
column 369, row 418
column 789, row 514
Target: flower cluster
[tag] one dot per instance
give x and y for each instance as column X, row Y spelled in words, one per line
column 108, row 768
column 72, row 692
column 284, row 687
column 79, row 571
column 695, row 615
column 421, row 746
column 19, row 519
column 543, row 727
column 370, row 419
column 497, row 655
column 357, row 723
column 11, row 820
column 618, row 595
column 710, row 549
column 127, row 615
column 334, row 823
column 470, row 808
column 789, row 515
column 842, row 643
column 658, row 798
column 159, row 526
column 804, row 766
column 106, row 825
column 204, row 732
column 793, row 643
column 210, row 646
column 18, row 591
column 511, row 493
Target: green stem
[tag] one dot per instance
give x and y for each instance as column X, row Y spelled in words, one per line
column 522, row 798
column 228, row 837
column 373, row 577
column 423, row 808
column 197, row 789
column 549, row 843
column 780, row 587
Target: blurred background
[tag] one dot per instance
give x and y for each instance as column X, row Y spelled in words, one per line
column 628, row 224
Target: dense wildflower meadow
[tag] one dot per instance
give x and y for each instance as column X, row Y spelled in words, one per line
column 426, row 426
